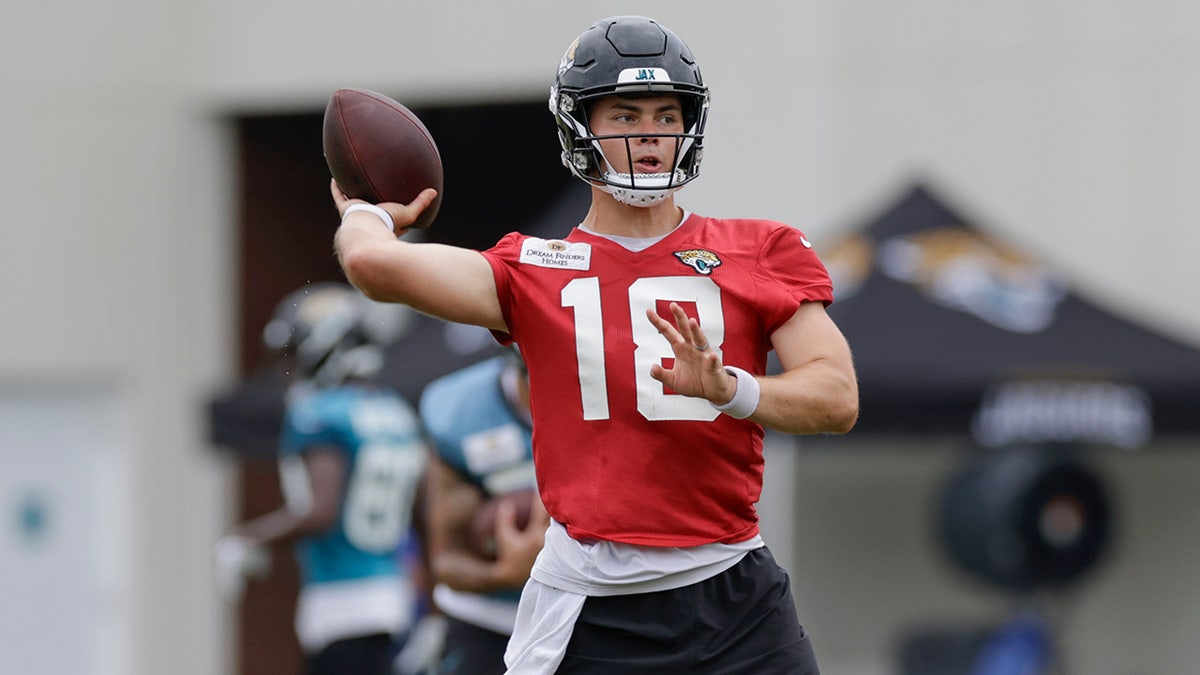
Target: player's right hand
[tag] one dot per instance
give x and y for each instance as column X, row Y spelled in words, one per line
column 403, row 215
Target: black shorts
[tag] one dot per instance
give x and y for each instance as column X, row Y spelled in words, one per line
column 740, row 621
column 365, row 655
column 471, row 650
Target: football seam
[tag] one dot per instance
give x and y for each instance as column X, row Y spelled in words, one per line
column 354, row 149
column 358, row 165
column 414, row 121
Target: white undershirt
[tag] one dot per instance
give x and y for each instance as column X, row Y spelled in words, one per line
column 636, row 244
column 567, row 571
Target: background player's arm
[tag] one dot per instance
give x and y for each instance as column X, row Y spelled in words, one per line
column 244, row 552
column 448, row 282
column 326, row 471
column 452, row 503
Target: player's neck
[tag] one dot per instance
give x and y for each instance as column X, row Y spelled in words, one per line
column 608, row 216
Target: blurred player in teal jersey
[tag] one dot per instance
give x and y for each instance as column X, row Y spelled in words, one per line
column 351, row 457
column 478, row 419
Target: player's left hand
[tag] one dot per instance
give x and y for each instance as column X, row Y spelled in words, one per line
column 698, row 370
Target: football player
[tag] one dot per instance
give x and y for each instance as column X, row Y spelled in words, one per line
column 351, row 456
column 646, row 331
column 478, row 420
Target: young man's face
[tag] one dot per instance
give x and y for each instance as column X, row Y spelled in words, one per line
column 640, row 117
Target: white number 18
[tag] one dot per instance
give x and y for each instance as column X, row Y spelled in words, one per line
column 583, row 294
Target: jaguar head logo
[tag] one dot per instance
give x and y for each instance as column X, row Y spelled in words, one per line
column 699, row 259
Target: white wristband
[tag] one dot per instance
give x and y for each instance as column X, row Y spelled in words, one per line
column 745, row 397
column 371, row 208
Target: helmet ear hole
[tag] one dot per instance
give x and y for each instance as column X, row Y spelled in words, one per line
column 582, row 161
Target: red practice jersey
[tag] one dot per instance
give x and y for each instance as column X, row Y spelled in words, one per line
column 618, row 457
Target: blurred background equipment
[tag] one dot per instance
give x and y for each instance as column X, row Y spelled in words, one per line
column 1025, row 518
column 1028, row 521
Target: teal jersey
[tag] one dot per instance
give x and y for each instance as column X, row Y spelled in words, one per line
column 385, row 455
column 475, row 430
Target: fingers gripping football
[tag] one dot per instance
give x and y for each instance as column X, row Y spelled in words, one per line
column 403, row 216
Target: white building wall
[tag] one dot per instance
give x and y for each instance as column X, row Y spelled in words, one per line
column 1072, row 127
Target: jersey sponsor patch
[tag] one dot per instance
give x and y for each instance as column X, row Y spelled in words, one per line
column 488, row 450
column 556, row 253
column 511, row 479
column 701, row 260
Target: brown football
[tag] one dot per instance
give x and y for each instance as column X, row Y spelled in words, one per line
column 483, row 526
column 379, row 151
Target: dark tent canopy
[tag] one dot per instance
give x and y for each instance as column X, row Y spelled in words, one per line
column 953, row 330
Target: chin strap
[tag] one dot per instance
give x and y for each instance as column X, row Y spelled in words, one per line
column 640, row 198
column 619, row 185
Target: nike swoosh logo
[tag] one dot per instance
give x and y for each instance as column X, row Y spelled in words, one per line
column 807, row 243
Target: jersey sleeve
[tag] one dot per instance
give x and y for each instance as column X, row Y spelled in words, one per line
column 504, row 257
column 308, row 423
column 791, row 265
column 794, row 263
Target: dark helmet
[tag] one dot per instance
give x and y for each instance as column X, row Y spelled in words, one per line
column 332, row 332
column 628, row 55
